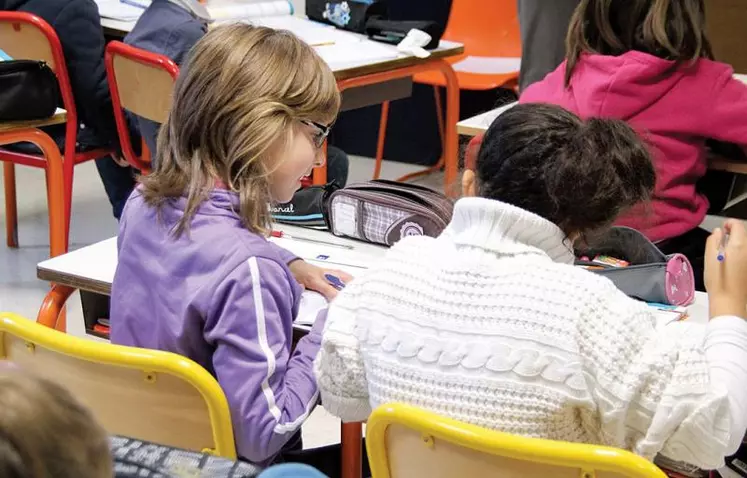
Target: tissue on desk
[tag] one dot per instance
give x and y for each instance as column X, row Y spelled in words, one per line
column 414, row 42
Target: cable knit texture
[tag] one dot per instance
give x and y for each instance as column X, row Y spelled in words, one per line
column 491, row 324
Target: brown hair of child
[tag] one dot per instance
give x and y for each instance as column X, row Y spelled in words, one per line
column 669, row 29
column 235, row 106
column 46, row 433
column 579, row 175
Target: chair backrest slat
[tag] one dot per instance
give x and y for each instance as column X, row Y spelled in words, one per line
column 143, row 89
column 129, row 398
column 406, row 442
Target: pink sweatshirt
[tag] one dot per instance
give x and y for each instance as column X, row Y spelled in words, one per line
column 675, row 110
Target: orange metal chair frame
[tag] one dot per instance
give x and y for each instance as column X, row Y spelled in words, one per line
column 55, row 187
column 449, row 160
column 116, row 48
column 71, row 156
column 461, row 29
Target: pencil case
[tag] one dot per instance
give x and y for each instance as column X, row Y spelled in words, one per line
column 346, row 14
column 307, row 208
column 651, row 275
column 383, row 212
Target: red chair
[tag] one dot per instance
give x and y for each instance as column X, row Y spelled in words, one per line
column 26, row 36
column 142, row 83
column 487, row 29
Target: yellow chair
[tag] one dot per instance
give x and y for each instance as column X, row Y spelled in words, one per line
column 145, row 394
column 406, row 442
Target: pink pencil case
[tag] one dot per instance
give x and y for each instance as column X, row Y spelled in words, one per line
column 652, row 276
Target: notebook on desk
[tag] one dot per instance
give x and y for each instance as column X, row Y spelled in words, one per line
column 218, row 10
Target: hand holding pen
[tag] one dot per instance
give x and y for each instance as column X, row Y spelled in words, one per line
column 726, row 270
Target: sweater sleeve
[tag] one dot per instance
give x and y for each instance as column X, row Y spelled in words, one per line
column 270, row 390
column 339, row 367
column 656, row 391
column 726, row 110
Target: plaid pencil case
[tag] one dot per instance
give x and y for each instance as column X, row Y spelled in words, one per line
column 646, row 273
column 383, row 212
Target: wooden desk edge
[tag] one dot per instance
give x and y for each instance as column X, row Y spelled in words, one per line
column 358, row 71
column 71, row 280
column 467, row 130
column 722, row 164
column 58, row 118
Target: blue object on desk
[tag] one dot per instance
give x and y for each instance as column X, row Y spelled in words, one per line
column 335, row 281
column 133, row 3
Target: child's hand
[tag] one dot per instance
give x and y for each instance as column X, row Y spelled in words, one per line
column 312, row 277
column 726, row 281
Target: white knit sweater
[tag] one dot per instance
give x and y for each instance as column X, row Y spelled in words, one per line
column 491, row 324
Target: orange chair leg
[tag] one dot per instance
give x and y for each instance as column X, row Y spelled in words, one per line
column 51, row 313
column 68, row 166
column 352, row 450
column 11, row 206
column 382, row 139
column 439, row 115
column 55, row 183
column 451, row 137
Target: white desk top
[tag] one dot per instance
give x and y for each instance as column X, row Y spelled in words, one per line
column 92, row 267
column 479, row 124
column 342, row 50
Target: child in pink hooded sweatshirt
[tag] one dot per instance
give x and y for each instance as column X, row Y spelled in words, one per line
column 649, row 62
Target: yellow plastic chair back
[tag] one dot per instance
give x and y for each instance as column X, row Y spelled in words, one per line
column 139, row 393
column 407, row 442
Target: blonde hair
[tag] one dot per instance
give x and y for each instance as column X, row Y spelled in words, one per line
column 45, row 432
column 235, row 106
column 670, row 29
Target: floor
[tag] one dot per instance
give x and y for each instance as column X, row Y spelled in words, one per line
column 21, row 292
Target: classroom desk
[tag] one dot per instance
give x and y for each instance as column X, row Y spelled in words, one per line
column 17, row 131
column 478, row 124
column 91, row 270
column 370, row 81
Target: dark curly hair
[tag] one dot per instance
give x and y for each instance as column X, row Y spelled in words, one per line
column 580, row 175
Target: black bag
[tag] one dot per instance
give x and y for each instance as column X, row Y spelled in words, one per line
column 307, row 208
column 394, row 31
column 28, row 90
column 346, row 14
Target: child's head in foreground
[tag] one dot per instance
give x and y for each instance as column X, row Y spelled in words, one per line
column 250, row 113
column 669, row 29
column 46, row 433
column 579, row 175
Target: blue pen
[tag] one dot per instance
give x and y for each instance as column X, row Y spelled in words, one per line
column 721, row 248
column 133, row 3
column 335, row 281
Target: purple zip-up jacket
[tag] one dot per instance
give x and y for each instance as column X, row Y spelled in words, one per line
column 224, row 297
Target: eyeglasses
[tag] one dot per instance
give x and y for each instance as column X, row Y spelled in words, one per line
column 320, row 135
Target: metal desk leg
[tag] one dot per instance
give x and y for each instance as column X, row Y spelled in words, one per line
column 352, row 449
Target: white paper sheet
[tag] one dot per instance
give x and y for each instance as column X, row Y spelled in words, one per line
column 234, row 11
column 488, row 65
column 313, row 33
column 117, row 10
column 347, row 55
